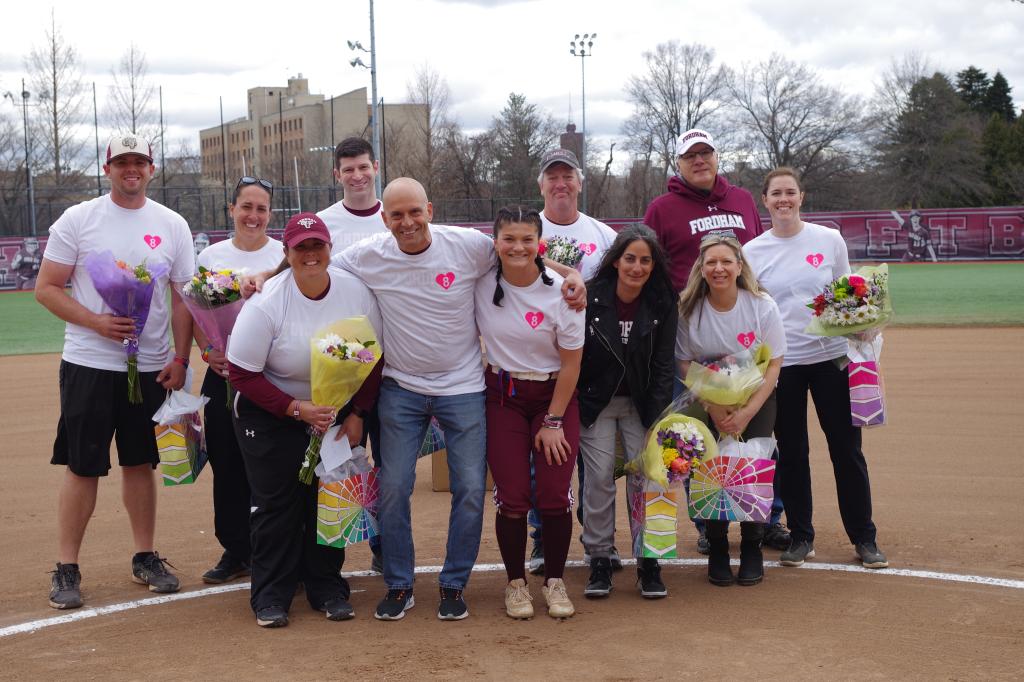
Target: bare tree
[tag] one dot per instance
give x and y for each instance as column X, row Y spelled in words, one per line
column 56, row 74
column 13, row 201
column 786, row 117
column 892, row 92
column 131, row 95
column 681, row 88
column 429, row 89
column 467, row 169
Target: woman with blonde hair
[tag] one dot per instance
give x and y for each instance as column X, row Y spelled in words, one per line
column 724, row 311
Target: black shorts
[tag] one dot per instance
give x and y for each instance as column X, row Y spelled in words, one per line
column 94, row 409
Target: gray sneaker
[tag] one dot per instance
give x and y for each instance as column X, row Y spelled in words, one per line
column 65, row 587
column 798, row 551
column 871, row 556
column 149, row 569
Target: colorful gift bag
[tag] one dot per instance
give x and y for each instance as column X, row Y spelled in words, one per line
column 867, row 405
column 346, row 511
column 660, row 519
column 182, row 448
column 728, row 488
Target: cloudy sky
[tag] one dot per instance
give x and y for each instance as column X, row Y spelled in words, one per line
column 486, row 49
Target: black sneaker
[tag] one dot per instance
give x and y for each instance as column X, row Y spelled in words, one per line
column 615, row 559
column 871, row 556
column 65, row 587
column 648, row 574
column 600, row 583
column 149, row 569
column 338, row 609
column 798, row 551
column 777, row 537
column 271, row 617
column 703, row 546
column 452, row 606
column 536, row 565
column 227, row 569
column 394, row 605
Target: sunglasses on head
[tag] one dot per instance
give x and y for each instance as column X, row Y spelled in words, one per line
column 249, row 180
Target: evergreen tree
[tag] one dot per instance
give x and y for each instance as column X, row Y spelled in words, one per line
column 972, row 84
column 1003, row 147
column 998, row 100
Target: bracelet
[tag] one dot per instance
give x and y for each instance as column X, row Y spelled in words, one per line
column 181, row 361
column 206, row 354
column 552, row 422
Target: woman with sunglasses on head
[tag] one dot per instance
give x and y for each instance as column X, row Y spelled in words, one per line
column 796, row 260
column 248, row 251
column 724, row 311
column 625, row 383
column 269, row 365
column 534, row 342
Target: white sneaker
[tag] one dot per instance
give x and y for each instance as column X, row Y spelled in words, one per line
column 559, row 604
column 518, row 602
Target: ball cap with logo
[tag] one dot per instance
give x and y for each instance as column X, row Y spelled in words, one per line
column 559, row 156
column 304, row 226
column 129, row 144
column 693, row 137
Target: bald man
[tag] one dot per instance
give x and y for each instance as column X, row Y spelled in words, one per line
column 424, row 277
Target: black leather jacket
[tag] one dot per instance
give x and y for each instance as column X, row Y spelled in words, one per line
column 647, row 362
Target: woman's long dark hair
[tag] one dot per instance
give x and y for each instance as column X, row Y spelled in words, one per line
column 659, row 286
column 517, row 214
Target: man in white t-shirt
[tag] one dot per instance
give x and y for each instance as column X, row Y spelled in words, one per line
column 357, row 215
column 560, row 181
column 424, row 277
column 94, row 401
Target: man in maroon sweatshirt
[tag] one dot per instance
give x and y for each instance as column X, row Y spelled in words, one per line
column 699, row 201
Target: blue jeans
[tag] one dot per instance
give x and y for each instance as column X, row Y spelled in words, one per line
column 404, row 417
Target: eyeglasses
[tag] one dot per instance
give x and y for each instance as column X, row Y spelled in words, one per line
column 688, row 157
column 249, row 180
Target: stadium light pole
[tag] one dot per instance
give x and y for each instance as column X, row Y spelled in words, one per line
column 583, row 47
column 374, row 119
column 25, row 94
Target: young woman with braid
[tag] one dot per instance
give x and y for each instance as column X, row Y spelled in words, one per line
column 534, row 343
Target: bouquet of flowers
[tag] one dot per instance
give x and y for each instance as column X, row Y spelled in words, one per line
column 730, row 380
column 674, row 445
column 342, row 355
column 214, row 298
column 857, row 306
column 128, row 292
column 564, row 250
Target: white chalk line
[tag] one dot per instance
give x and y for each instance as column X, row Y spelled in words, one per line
column 93, row 612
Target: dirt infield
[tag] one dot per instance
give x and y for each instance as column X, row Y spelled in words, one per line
column 947, row 482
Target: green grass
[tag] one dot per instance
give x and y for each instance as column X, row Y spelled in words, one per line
column 979, row 294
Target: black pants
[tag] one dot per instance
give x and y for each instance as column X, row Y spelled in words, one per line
column 231, row 497
column 829, row 387
column 760, row 426
column 284, row 548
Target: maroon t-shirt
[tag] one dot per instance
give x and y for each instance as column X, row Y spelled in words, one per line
column 626, row 313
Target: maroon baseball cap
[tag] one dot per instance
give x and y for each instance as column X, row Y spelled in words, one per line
column 304, row 226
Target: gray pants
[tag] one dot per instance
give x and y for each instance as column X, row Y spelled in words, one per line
column 597, row 448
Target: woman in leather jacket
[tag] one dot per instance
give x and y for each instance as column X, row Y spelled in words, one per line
column 625, row 383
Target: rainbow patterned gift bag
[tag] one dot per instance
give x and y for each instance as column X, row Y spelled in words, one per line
column 346, row 510
column 660, row 524
column 736, row 484
column 180, row 439
column 867, row 405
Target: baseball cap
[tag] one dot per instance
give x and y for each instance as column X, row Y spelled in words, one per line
column 304, row 226
column 690, row 138
column 129, row 144
column 559, row 156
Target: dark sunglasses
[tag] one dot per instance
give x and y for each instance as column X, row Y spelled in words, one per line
column 249, row 180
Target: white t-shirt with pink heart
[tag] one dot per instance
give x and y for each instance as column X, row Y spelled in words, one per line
column 151, row 234
column 794, row 270
column 426, row 301
column 594, row 237
column 524, row 333
column 710, row 334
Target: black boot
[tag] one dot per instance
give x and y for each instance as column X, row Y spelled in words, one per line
column 751, row 560
column 719, row 571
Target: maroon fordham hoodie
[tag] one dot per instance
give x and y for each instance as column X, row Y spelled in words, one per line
column 683, row 215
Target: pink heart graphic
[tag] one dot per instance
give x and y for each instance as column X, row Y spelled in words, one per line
column 588, row 248
column 815, row 259
column 152, row 240
column 746, row 339
column 534, row 318
column 446, row 280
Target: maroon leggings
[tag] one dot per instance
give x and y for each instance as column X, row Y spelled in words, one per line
column 512, row 423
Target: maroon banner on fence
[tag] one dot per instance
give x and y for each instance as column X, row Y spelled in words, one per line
column 927, row 235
